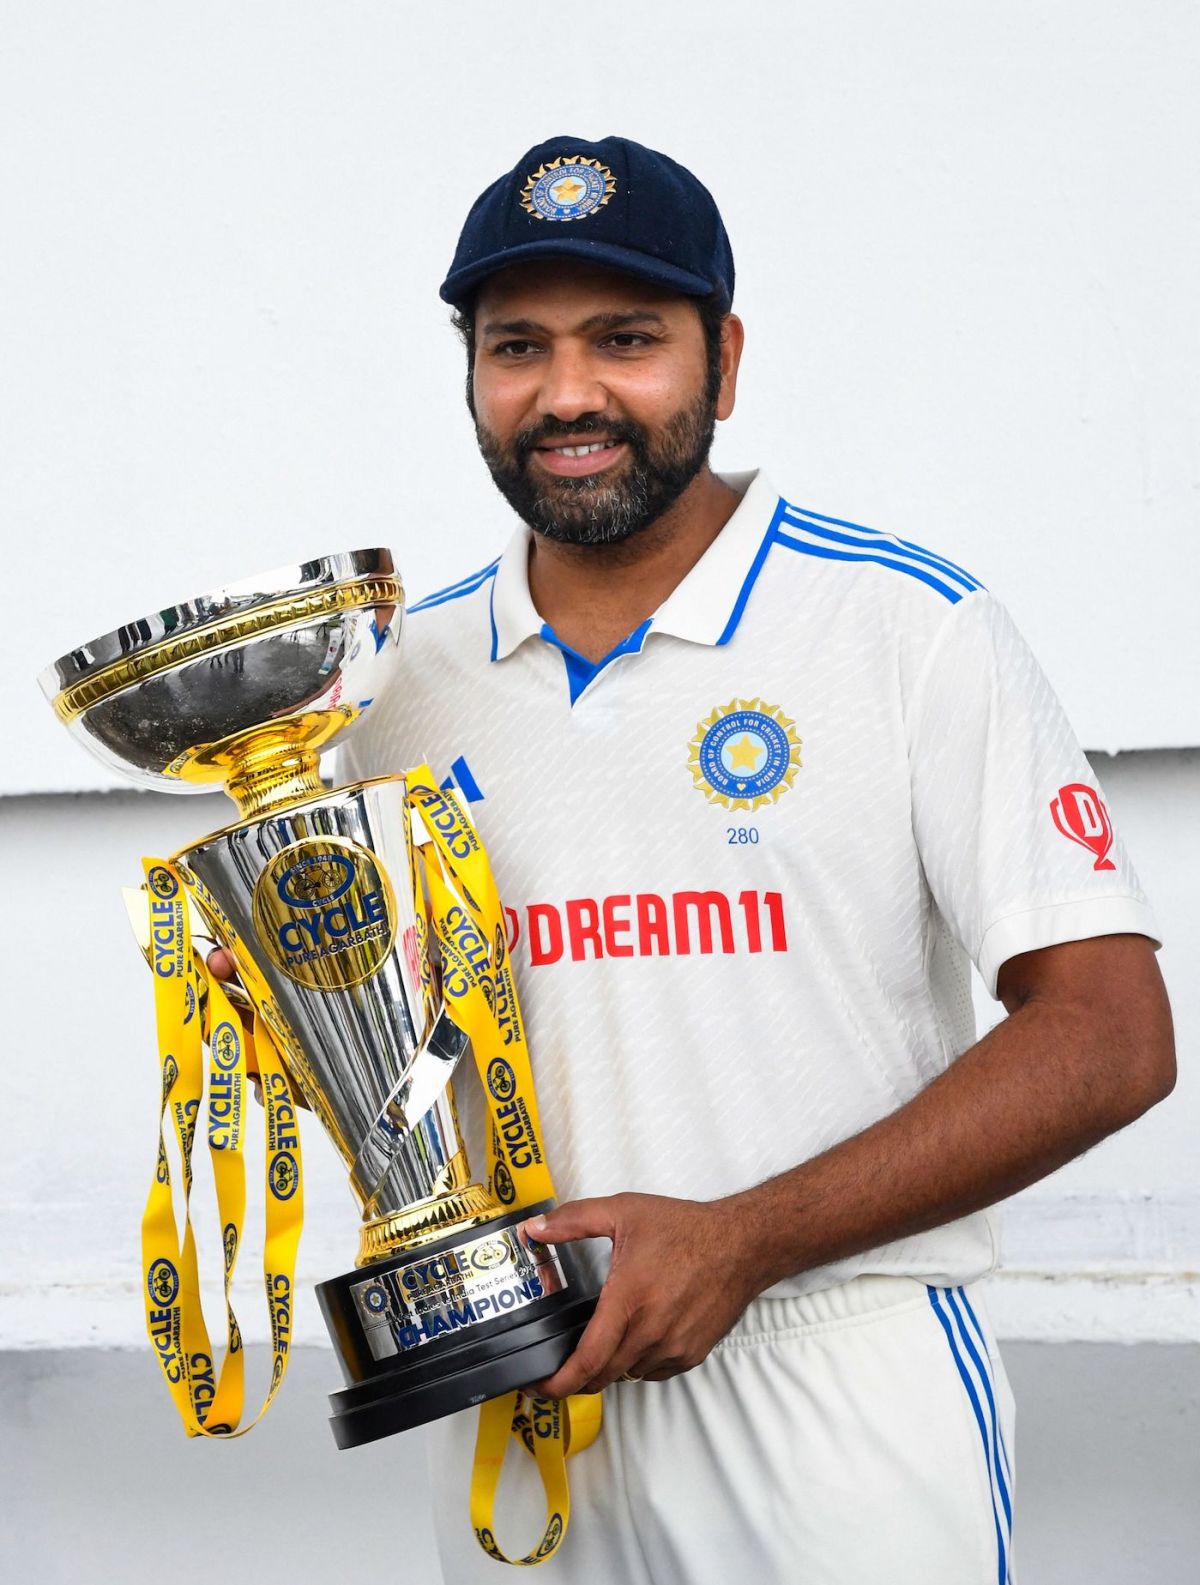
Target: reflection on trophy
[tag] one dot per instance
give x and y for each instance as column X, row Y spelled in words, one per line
column 323, row 899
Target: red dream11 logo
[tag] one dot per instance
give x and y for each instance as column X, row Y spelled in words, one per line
column 1079, row 813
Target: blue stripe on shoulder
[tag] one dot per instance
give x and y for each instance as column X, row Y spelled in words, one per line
column 828, row 553
column 455, row 591
column 809, row 520
column 902, row 549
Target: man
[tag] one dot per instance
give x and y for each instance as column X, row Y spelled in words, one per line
column 756, row 784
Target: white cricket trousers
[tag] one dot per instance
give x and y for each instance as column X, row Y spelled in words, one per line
column 860, row 1436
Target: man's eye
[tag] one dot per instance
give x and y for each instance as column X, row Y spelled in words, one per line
column 624, row 339
column 513, row 349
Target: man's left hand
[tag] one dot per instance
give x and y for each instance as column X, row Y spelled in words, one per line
column 672, row 1290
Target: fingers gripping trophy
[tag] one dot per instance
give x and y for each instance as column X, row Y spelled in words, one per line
column 370, row 951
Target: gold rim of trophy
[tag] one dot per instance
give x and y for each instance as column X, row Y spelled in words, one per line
column 168, row 653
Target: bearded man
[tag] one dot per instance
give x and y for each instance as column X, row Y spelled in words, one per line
column 758, row 785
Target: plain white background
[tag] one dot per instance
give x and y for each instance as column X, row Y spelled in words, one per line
column 967, row 239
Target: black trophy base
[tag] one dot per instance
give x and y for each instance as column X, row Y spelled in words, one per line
column 447, row 1373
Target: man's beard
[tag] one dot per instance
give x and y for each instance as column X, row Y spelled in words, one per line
column 589, row 509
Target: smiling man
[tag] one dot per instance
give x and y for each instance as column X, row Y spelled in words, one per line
column 759, row 785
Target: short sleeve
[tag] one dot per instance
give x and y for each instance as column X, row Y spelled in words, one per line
column 1011, row 824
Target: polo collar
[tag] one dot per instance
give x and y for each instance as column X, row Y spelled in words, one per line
column 705, row 608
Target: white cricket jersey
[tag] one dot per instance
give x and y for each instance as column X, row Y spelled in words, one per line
column 747, row 858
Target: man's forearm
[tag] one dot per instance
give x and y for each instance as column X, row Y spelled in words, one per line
column 1088, row 1046
column 1043, row 1086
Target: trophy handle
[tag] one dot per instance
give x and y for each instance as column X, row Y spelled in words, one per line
column 424, row 1080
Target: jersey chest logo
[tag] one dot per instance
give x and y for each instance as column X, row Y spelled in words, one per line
column 745, row 754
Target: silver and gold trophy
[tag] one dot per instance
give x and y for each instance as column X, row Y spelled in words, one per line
column 370, row 955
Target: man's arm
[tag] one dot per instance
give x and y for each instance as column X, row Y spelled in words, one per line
column 1088, row 1046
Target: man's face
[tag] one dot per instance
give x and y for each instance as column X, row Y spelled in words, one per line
column 592, row 404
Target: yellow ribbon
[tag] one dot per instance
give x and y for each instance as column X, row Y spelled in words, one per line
column 481, row 997
column 211, row 1404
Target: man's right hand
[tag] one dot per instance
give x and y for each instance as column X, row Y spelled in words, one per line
column 220, row 964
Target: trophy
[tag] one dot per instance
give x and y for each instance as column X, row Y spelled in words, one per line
column 358, row 938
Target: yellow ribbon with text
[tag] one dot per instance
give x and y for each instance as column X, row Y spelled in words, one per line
column 481, row 997
column 211, row 1404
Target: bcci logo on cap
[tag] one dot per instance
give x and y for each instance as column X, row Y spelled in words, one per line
column 744, row 754
column 569, row 188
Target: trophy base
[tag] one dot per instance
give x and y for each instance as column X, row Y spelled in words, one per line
column 433, row 1331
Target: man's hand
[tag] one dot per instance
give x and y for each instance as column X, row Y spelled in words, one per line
column 220, row 964
column 672, row 1291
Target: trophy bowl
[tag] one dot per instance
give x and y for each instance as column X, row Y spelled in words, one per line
column 317, row 895
column 168, row 700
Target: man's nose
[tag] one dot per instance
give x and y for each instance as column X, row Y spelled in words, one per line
column 570, row 386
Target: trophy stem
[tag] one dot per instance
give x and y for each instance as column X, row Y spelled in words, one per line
column 272, row 770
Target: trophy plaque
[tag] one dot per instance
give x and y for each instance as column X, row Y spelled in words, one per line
column 322, row 899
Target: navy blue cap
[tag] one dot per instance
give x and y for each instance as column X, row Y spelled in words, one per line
column 613, row 202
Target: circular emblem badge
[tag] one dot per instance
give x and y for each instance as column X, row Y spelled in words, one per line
column 316, row 880
column 501, row 1080
column 283, row 1175
column 568, row 188
column 552, row 1537
column 162, row 883
column 324, row 913
column 226, row 1047
column 487, row 1256
column 503, row 1186
column 170, row 1072
column 163, row 1282
column 375, row 1298
column 744, row 754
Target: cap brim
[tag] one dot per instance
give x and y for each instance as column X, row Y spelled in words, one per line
column 459, row 286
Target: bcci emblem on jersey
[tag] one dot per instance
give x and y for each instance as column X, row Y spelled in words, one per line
column 568, row 188
column 744, row 754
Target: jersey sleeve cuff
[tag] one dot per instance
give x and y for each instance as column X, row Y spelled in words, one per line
column 1058, row 922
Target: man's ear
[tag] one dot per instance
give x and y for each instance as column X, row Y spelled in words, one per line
column 733, row 339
